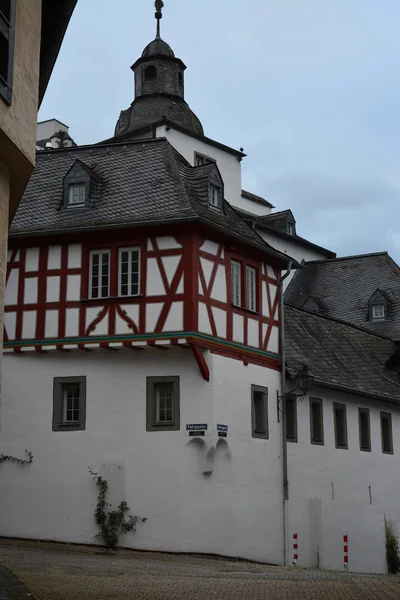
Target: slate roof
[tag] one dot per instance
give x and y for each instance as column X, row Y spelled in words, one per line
column 158, row 47
column 258, row 222
column 345, row 285
column 137, row 183
column 340, row 355
column 256, row 199
column 278, row 220
column 145, row 111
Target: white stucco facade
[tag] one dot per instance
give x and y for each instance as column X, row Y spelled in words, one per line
column 235, row 510
column 334, row 492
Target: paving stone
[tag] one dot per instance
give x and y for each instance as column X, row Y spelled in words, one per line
column 60, row 572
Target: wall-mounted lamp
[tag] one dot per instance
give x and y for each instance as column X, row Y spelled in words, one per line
column 304, row 382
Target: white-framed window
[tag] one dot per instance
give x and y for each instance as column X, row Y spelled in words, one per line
column 164, row 393
column 129, row 272
column 215, row 197
column 250, row 288
column 99, row 282
column 236, row 282
column 290, row 228
column 71, row 403
column 76, row 194
column 378, row 312
column 162, row 404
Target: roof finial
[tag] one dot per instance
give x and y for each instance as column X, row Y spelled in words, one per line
column 159, row 4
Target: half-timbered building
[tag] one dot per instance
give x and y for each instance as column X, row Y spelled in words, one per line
column 144, row 338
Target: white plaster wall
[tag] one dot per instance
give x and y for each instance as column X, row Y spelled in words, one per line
column 253, row 207
column 234, row 511
column 291, row 248
column 228, row 164
column 313, row 469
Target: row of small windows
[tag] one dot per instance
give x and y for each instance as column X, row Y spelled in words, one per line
column 128, row 273
column 243, row 289
column 163, row 412
column 77, row 196
column 340, row 425
column 162, row 404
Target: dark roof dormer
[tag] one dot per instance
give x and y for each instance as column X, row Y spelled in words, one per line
column 283, row 221
column 314, row 304
column 78, row 186
column 378, row 307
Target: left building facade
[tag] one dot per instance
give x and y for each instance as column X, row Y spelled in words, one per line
column 31, row 33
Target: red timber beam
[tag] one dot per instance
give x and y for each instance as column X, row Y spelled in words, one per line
column 201, row 361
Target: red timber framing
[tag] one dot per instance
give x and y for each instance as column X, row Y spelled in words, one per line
column 193, row 272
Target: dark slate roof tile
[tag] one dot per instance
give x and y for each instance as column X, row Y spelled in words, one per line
column 345, row 285
column 136, row 183
column 339, row 354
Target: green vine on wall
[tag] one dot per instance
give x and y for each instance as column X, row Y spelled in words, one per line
column 112, row 523
column 20, row 461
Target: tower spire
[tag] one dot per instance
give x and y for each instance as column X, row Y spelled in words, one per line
column 159, row 4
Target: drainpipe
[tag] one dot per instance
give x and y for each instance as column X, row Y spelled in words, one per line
column 283, row 407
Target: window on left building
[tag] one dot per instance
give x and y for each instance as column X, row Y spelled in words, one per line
column 99, row 282
column 7, row 34
column 69, row 403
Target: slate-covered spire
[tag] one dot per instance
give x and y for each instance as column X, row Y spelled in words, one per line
column 159, row 89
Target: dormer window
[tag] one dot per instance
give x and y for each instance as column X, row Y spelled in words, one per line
column 378, row 306
column 76, row 194
column 290, row 228
column 215, row 197
column 378, row 312
column 78, row 185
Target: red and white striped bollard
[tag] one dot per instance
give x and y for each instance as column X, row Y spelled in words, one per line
column 346, row 551
column 295, row 548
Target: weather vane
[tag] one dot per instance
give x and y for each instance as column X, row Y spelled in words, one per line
column 159, row 4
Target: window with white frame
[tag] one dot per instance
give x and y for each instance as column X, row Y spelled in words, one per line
column 129, row 272
column 378, row 312
column 163, row 411
column 250, row 288
column 215, row 197
column 99, row 283
column 69, row 403
column 236, row 282
column 76, row 194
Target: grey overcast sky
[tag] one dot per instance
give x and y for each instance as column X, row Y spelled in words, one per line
column 309, row 88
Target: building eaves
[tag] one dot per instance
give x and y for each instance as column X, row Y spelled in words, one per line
column 55, row 19
column 290, row 237
column 256, row 199
column 152, row 128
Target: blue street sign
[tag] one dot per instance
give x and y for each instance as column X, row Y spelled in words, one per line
column 222, row 427
column 196, row 433
column 196, row 427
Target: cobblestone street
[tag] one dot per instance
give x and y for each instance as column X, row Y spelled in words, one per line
column 57, row 572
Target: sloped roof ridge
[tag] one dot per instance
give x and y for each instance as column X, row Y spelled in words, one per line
column 41, row 154
column 340, row 321
column 349, row 257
